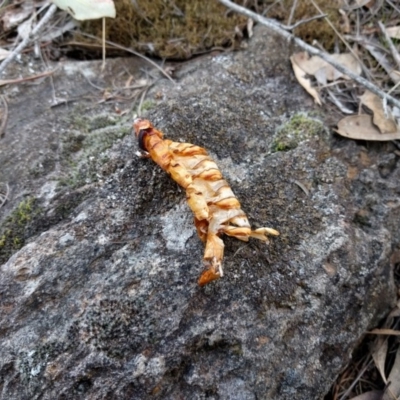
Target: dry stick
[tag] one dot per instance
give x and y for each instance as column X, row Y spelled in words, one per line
column 104, row 44
column 364, row 69
column 395, row 53
column 356, row 380
column 142, row 99
column 28, row 78
column 275, row 26
column 389, row 2
column 303, row 21
column 291, row 15
column 31, row 37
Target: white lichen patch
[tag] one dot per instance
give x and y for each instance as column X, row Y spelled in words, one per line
column 102, row 239
column 231, row 171
column 177, row 227
column 84, row 67
column 48, row 191
column 81, row 217
column 151, row 367
column 66, row 239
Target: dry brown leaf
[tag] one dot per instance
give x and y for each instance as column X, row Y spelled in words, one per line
column 379, row 352
column 305, row 82
column 16, row 15
column 322, row 70
column 394, row 32
column 3, row 53
column 348, row 61
column 385, row 123
column 362, row 3
column 382, row 57
column 357, row 4
column 307, row 64
column 329, row 73
column 360, row 127
column 25, row 28
column 393, row 389
column 345, row 25
column 372, row 395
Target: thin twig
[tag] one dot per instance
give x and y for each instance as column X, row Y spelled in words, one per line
column 304, row 21
column 335, row 100
column 239, row 249
column 117, row 46
column 366, row 72
column 394, row 87
column 30, row 38
column 291, row 15
column 358, row 377
column 275, row 26
column 302, row 187
column 379, row 53
column 395, row 53
column 142, row 97
column 104, row 44
column 389, row 2
column 28, row 78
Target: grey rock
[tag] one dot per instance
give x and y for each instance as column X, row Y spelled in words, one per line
column 102, row 300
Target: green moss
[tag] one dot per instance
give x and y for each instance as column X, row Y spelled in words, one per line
column 77, row 121
column 85, row 124
column 147, row 105
column 101, row 121
column 299, row 128
column 167, row 29
column 84, row 148
column 281, row 146
column 73, row 143
column 13, row 231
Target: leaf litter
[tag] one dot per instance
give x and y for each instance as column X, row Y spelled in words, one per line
column 365, row 49
column 371, row 30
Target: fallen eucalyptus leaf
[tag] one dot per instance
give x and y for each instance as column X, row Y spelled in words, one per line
column 322, row 70
column 371, row 395
column 3, row 53
column 301, row 77
column 379, row 352
column 394, row 32
column 393, row 389
column 360, row 127
column 385, row 123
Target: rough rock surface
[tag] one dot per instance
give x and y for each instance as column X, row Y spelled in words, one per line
column 101, row 302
